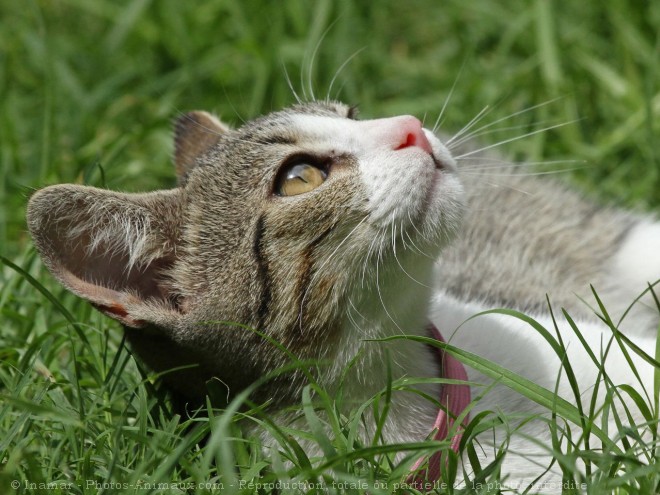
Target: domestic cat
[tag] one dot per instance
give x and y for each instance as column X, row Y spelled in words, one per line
column 323, row 233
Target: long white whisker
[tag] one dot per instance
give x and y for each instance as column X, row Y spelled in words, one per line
column 522, row 174
column 480, row 132
column 502, row 119
column 349, row 314
column 545, row 129
column 370, row 251
column 484, row 111
column 396, row 258
column 366, row 262
column 493, row 162
column 393, row 229
column 448, row 99
column 500, row 168
column 380, row 294
column 412, row 243
column 423, row 236
column 341, row 68
column 310, row 67
column 403, row 239
column 290, row 84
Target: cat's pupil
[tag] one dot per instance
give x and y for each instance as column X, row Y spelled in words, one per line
column 300, row 178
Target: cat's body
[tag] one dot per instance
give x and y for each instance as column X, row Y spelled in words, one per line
column 323, row 233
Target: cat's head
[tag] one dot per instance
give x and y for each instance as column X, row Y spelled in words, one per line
column 305, row 224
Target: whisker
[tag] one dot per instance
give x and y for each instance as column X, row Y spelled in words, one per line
column 510, row 116
column 349, row 314
column 448, row 99
column 500, row 161
column 310, row 67
column 396, row 258
column 518, row 168
column 413, row 245
column 508, row 186
column 475, row 168
column 538, row 131
column 403, row 239
column 523, row 174
column 380, row 296
column 233, row 107
column 365, row 265
column 480, row 132
column 423, row 236
column 484, row 111
column 290, row 84
column 341, row 68
column 393, row 229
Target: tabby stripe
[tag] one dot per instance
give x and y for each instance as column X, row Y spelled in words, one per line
column 276, row 140
column 307, row 266
column 262, row 272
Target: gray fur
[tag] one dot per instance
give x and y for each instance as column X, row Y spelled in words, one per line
column 525, row 237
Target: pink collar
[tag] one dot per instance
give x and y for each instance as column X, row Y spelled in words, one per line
column 454, row 399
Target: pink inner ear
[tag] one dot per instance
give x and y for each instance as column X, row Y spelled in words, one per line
column 110, row 268
column 113, row 249
column 111, row 302
column 118, row 312
column 105, row 276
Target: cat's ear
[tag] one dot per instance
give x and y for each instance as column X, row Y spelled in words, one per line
column 194, row 133
column 115, row 250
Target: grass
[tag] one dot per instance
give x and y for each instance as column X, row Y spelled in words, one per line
column 87, row 92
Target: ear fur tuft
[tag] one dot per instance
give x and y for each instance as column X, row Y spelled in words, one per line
column 115, row 250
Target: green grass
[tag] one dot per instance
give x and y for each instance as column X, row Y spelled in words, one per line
column 87, row 93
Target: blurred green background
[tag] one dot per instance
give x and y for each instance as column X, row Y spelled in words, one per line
column 88, row 88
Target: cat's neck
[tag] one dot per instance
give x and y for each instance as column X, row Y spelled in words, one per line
column 373, row 363
column 392, row 309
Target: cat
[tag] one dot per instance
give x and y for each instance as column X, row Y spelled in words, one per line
column 317, row 232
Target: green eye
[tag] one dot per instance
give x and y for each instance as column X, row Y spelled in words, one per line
column 299, row 179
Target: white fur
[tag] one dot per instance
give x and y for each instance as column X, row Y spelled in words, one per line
column 635, row 266
column 518, row 347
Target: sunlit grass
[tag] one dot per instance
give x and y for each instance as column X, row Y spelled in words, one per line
column 77, row 409
column 87, row 92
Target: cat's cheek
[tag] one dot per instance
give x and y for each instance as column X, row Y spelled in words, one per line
column 446, row 207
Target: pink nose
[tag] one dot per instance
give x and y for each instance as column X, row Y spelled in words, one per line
column 395, row 133
column 409, row 133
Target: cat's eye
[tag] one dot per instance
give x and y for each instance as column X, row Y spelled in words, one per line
column 300, row 178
